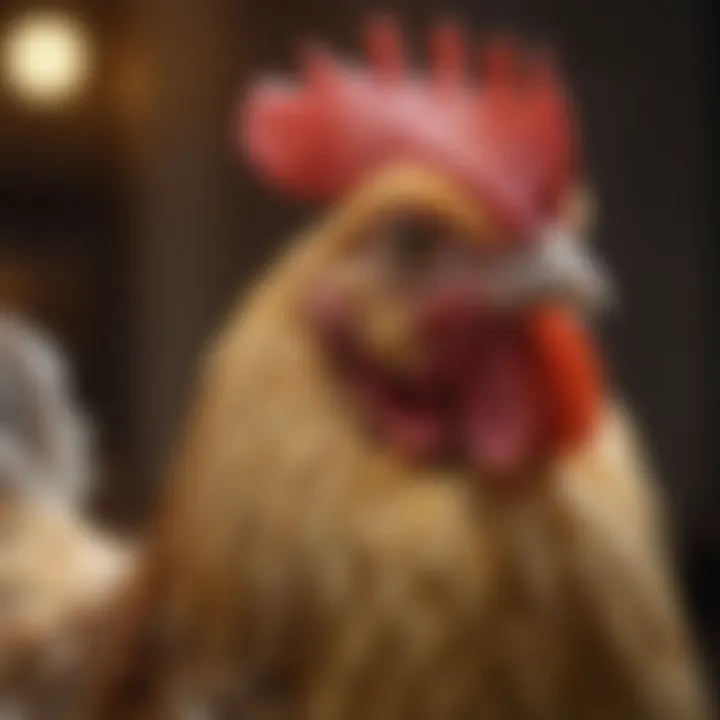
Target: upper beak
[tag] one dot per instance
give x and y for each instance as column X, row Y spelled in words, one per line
column 573, row 269
column 564, row 266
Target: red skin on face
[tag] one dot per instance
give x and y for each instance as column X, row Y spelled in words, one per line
column 504, row 392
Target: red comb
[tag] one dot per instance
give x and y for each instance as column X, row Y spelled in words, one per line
column 507, row 139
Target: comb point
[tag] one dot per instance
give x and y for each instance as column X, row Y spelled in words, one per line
column 448, row 54
column 384, row 45
column 317, row 64
column 501, row 60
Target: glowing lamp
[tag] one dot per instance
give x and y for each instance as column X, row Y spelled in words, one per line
column 46, row 58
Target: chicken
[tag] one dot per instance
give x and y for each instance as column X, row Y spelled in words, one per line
column 45, row 438
column 58, row 573
column 407, row 489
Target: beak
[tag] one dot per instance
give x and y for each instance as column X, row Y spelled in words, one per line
column 564, row 266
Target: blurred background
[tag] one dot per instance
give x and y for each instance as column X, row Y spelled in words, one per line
column 128, row 223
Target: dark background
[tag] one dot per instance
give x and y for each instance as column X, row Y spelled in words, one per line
column 128, row 224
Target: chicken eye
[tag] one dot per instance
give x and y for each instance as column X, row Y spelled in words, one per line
column 413, row 242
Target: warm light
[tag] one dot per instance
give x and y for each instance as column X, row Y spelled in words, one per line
column 46, row 57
